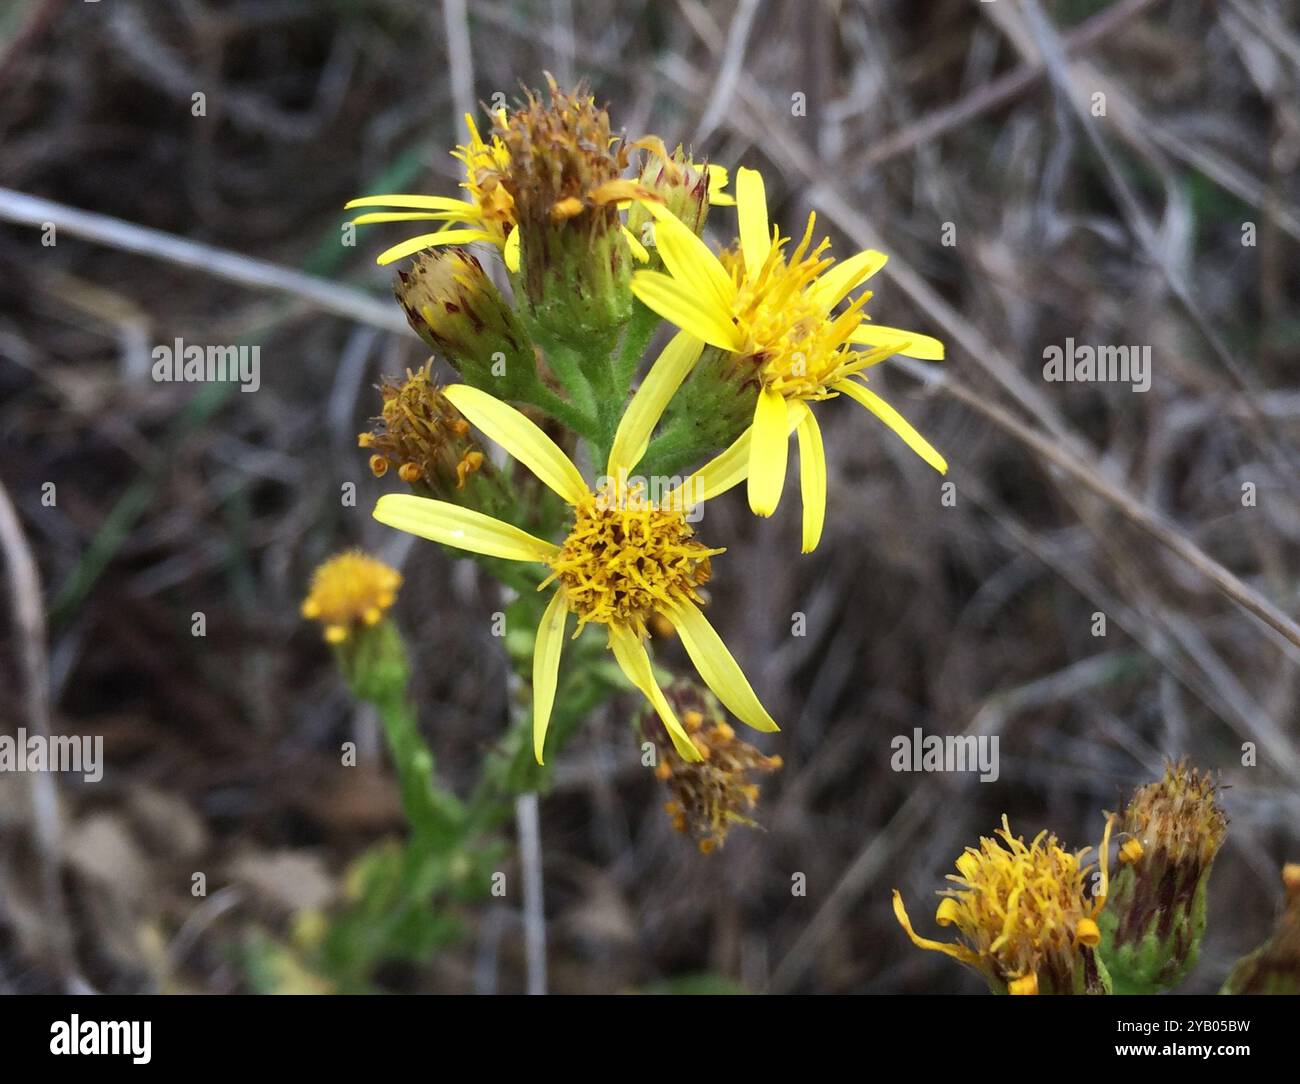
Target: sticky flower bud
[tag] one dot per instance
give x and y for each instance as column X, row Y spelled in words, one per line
column 1274, row 967
column 709, row 796
column 1152, row 928
column 454, row 307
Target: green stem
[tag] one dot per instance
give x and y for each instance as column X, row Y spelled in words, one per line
column 637, row 334
column 581, row 422
column 435, row 814
column 567, row 367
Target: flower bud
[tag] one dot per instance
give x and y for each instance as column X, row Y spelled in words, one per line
column 682, row 185
column 455, row 308
column 1152, row 928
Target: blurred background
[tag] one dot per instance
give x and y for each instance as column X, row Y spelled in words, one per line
column 964, row 139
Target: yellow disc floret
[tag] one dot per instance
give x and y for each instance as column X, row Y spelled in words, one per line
column 626, row 559
column 795, row 348
column 349, row 592
column 1024, row 913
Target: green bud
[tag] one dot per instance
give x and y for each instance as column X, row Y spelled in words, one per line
column 455, row 308
column 681, row 185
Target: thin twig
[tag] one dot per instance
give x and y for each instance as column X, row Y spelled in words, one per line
column 460, row 57
column 244, row 270
column 30, row 634
column 530, row 861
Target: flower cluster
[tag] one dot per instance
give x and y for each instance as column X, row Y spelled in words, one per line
column 601, row 238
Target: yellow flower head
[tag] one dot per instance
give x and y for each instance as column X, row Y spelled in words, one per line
column 1026, row 920
column 349, row 592
column 421, row 434
column 771, row 307
column 487, row 215
column 623, row 561
column 711, row 795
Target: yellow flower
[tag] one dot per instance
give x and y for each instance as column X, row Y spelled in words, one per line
column 625, row 559
column 1023, row 913
column 350, row 591
column 772, row 310
column 487, row 215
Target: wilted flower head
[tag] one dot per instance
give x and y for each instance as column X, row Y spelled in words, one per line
column 422, row 435
column 565, row 164
column 718, row 791
column 350, row 592
column 1171, row 831
column 566, row 180
column 1024, row 915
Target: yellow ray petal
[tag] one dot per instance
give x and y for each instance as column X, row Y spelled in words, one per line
column 724, row 471
column 404, row 216
column 751, row 211
column 834, row 285
column 423, row 203
column 692, row 263
column 431, row 240
column 546, row 667
column 769, row 450
column 715, row 664
column 510, row 252
column 895, row 421
column 639, row 252
column 647, row 405
column 680, row 305
column 718, row 177
column 957, row 952
column 911, row 344
column 521, row 438
column 812, row 480
column 635, row 663
column 462, row 528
